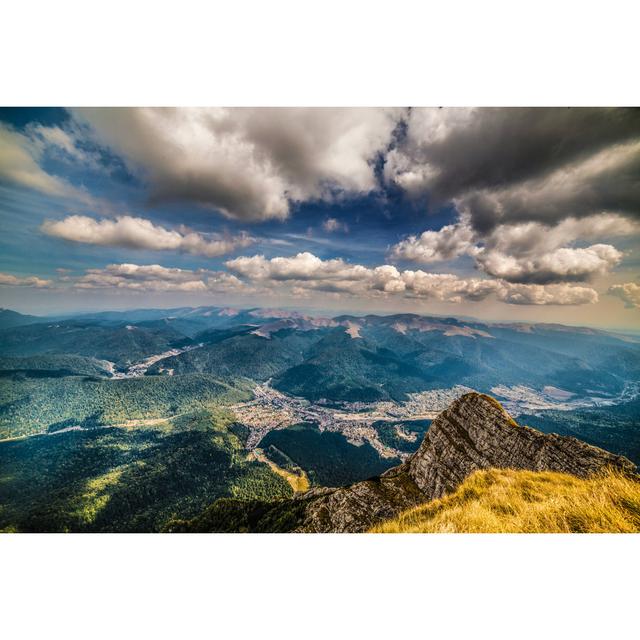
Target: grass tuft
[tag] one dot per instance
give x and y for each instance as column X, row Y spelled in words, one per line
column 510, row 501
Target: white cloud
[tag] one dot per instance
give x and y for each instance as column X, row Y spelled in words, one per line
column 552, row 294
column 306, row 272
column 158, row 278
column 529, row 252
column 139, row 233
column 537, row 253
column 447, row 287
column 305, row 275
column 534, row 238
column 629, row 293
column 332, row 224
column 20, row 157
column 303, row 267
column 247, row 163
column 560, row 265
column 435, row 246
column 57, row 138
column 30, row 281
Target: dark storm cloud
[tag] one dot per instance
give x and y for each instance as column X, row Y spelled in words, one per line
column 607, row 182
column 503, row 146
column 522, row 164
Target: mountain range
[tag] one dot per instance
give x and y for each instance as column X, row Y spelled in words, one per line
column 346, row 358
column 141, row 420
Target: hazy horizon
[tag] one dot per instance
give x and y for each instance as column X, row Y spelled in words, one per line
column 317, row 312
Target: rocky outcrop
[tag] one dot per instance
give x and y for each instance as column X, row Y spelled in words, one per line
column 361, row 505
column 475, row 432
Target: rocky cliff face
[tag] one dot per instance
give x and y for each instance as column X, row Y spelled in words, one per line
column 475, row 432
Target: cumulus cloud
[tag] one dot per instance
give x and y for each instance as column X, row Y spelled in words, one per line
column 30, row 281
column 556, row 294
column 561, row 265
column 537, row 253
column 534, row 238
column 435, row 246
column 303, row 267
column 531, row 252
column 306, row 272
column 247, row 163
column 155, row 277
column 447, row 287
column 629, row 293
column 514, row 165
column 139, row 233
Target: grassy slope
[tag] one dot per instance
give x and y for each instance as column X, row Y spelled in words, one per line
column 508, row 501
column 298, row 479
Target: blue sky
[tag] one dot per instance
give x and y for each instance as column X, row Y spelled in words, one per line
column 502, row 214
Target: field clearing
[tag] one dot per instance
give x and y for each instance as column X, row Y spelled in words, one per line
column 298, row 481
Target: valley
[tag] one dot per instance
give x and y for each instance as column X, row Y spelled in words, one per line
column 141, row 368
column 521, row 399
column 271, row 410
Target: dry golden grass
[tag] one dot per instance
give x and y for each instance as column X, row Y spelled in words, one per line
column 298, row 481
column 509, row 501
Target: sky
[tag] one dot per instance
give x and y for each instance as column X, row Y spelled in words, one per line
column 507, row 214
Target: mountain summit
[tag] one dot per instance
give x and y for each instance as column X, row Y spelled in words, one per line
column 473, row 433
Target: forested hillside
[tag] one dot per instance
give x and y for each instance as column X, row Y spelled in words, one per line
column 127, row 479
column 30, row 405
column 123, row 345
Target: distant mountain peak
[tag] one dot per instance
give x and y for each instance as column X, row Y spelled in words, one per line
column 9, row 319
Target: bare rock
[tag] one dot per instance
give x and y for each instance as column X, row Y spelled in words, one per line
column 475, row 432
column 361, row 505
